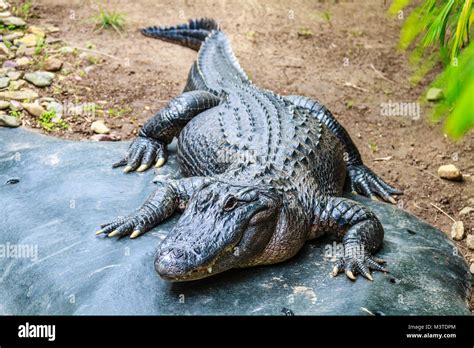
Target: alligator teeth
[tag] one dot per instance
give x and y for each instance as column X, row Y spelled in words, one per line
column 209, row 269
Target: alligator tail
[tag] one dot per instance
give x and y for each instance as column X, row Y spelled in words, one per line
column 190, row 35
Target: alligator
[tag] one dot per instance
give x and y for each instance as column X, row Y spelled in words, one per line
column 262, row 173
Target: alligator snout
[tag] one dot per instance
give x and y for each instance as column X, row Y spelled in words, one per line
column 176, row 264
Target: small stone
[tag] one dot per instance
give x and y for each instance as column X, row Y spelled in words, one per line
column 52, row 40
column 9, row 64
column 28, row 51
column 99, row 127
column 40, row 78
column 16, row 105
column 5, row 71
column 104, row 137
column 14, row 75
column 23, row 61
column 470, row 202
column 5, row 14
column 434, row 94
column 466, row 211
column 52, row 64
column 29, row 40
column 4, row 81
column 9, row 121
column 470, row 241
column 450, row 172
column 4, row 49
column 37, row 31
column 26, row 94
column 4, row 105
column 16, row 85
column 52, row 29
column 34, row 109
column 89, row 69
column 12, row 20
column 471, row 269
column 457, row 230
column 66, row 50
column 13, row 36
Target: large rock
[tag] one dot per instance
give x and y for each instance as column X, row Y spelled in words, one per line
column 14, row 21
column 67, row 189
column 26, row 94
column 40, row 78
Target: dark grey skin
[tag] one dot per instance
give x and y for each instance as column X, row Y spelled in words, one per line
column 263, row 173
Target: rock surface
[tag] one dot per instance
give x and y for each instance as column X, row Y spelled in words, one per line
column 9, row 121
column 34, row 109
column 4, row 81
column 4, row 105
column 19, row 95
column 99, row 127
column 457, row 230
column 40, row 78
column 52, row 64
column 450, row 172
column 66, row 189
column 15, row 21
column 434, row 94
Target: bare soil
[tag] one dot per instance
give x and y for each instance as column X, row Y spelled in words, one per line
column 326, row 50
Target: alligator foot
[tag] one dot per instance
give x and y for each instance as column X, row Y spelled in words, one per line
column 132, row 225
column 142, row 153
column 364, row 181
column 357, row 261
column 160, row 205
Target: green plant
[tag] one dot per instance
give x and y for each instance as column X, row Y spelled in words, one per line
column 50, row 122
column 305, row 32
column 39, row 45
column 15, row 113
column 442, row 30
column 326, row 15
column 22, row 8
column 109, row 19
column 119, row 112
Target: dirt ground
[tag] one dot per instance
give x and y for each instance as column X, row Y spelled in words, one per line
column 342, row 53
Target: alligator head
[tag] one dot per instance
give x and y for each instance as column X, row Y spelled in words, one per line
column 224, row 226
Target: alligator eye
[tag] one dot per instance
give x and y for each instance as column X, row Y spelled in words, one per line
column 230, row 204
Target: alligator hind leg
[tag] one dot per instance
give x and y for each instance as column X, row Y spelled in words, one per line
column 161, row 204
column 361, row 233
column 360, row 178
column 159, row 131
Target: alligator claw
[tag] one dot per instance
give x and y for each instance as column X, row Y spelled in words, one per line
column 113, row 233
column 142, row 168
column 358, row 263
column 160, row 162
column 143, row 151
column 135, row 234
column 350, row 275
column 364, row 181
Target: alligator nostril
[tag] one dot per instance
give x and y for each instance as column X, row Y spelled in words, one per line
column 12, row 181
column 172, row 263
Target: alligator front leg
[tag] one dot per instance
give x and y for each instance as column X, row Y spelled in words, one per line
column 360, row 230
column 150, row 145
column 167, row 199
column 360, row 178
